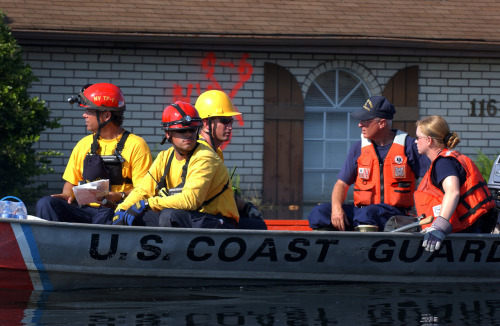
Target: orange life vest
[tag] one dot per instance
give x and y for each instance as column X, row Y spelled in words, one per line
column 394, row 186
column 475, row 198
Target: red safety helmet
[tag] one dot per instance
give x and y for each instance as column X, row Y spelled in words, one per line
column 180, row 116
column 101, row 97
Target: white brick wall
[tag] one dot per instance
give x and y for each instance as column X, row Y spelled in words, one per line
column 148, row 79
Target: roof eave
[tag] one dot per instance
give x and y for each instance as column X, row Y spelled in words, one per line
column 265, row 43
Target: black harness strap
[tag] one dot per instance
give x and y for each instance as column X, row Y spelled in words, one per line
column 121, row 145
column 163, row 180
column 95, row 145
column 472, row 210
column 206, row 202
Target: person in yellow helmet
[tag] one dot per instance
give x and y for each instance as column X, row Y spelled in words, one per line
column 217, row 113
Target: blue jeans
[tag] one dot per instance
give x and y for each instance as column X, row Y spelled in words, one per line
column 376, row 214
column 57, row 209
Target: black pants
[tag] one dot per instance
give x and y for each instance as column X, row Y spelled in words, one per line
column 170, row 217
column 57, row 209
column 484, row 224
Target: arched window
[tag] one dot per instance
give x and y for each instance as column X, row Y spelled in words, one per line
column 329, row 130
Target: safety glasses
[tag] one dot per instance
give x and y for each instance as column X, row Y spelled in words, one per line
column 368, row 122
column 183, row 131
column 225, row 120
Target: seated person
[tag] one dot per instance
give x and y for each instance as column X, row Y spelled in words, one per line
column 453, row 191
column 383, row 167
column 127, row 158
column 189, row 185
column 217, row 111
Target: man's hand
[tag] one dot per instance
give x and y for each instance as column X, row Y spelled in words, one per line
column 67, row 193
column 339, row 195
column 251, row 211
column 339, row 219
column 127, row 217
column 435, row 234
column 68, row 198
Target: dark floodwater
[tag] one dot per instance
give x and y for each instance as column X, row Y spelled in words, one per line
column 333, row 304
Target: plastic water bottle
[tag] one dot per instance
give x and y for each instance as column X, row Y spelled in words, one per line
column 6, row 210
column 20, row 211
column 2, row 205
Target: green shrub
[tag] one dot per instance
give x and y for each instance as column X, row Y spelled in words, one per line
column 484, row 164
column 22, row 120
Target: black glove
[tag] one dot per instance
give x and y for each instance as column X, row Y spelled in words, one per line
column 249, row 210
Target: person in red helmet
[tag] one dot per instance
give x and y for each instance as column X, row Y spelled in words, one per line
column 109, row 152
column 189, row 185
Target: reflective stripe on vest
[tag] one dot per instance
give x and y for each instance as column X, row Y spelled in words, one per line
column 394, row 186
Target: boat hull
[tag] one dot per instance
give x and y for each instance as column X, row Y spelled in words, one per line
column 39, row 255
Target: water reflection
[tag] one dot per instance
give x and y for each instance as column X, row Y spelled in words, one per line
column 334, row 304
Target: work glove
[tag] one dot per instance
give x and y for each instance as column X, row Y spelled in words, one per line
column 118, row 217
column 127, row 217
column 249, row 210
column 435, row 234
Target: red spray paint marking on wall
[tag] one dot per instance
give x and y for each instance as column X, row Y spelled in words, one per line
column 208, row 64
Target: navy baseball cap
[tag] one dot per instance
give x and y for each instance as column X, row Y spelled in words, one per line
column 375, row 107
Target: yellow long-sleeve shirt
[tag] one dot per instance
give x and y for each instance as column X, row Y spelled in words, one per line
column 206, row 177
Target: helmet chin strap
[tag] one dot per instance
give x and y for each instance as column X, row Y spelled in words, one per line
column 178, row 152
column 188, row 154
column 211, row 134
column 95, row 144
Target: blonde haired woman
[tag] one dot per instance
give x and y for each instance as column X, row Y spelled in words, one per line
column 452, row 190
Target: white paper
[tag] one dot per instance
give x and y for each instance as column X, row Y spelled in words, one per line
column 89, row 192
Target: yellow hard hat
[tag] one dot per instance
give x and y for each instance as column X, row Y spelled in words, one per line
column 215, row 103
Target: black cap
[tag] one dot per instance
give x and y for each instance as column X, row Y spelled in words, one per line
column 375, row 107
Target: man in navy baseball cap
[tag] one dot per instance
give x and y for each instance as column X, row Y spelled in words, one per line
column 383, row 166
column 375, row 107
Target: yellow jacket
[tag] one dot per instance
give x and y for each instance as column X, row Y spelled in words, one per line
column 206, row 177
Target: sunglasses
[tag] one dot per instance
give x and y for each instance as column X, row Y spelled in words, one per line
column 183, row 131
column 368, row 122
column 225, row 120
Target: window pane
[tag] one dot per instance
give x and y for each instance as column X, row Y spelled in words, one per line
column 327, row 83
column 313, row 154
column 357, row 98
column 315, row 98
column 313, row 125
column 336, row 125
column 320, row 186
column 347, row 82
column 335, row 154
column 313, row 183
column 329, row 181
column 354, row 131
